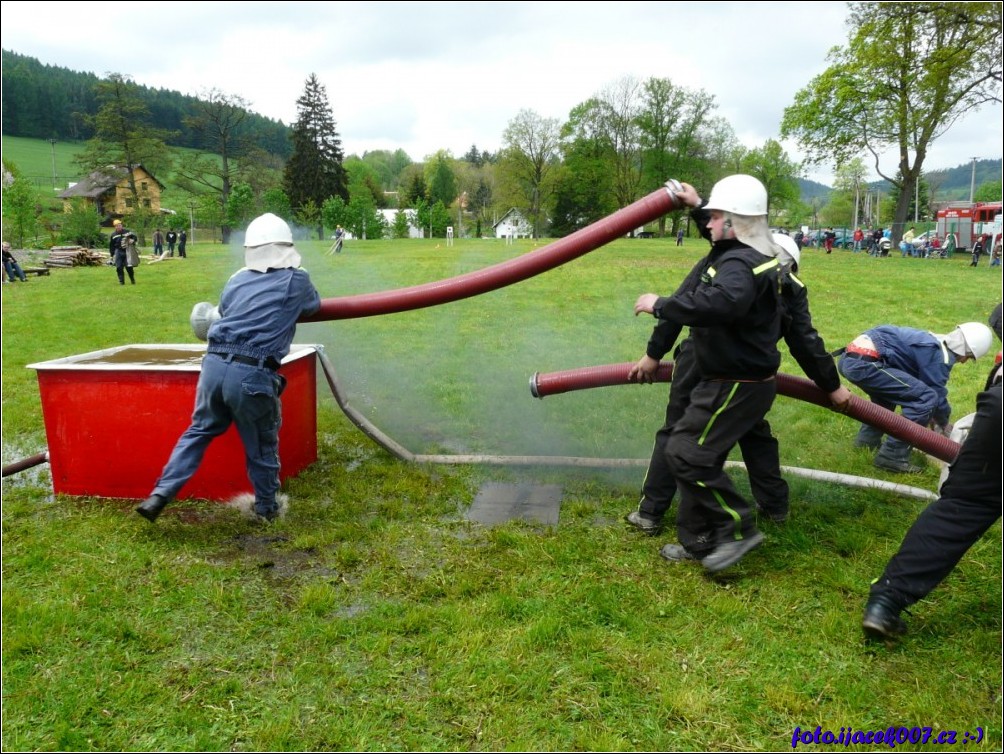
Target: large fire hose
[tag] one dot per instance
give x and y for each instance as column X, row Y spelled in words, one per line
column 890, row 423
column 552, row 385
column 554, row 254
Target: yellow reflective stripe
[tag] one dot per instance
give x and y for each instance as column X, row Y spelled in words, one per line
column 738, row 533
column 711, row 421
column 797, row 281
column 756, row 270
column 765, row 266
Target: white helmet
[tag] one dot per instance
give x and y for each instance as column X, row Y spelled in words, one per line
column 202, row 317
column 978, row 338
column 267, row 228
column 740, row 195
column 787, row 243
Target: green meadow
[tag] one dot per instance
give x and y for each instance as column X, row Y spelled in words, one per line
column 377, row 616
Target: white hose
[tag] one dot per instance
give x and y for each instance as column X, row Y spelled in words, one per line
column 399, row 451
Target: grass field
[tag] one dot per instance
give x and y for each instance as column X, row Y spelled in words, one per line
column 377, row 617
column 51, row 169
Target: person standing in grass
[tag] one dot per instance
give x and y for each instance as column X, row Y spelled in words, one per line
column 122, row 247
column 731, row 302
column 249, row 334
column 336, row 248
column 759, row 447
column 977, row 250
column 969, row 503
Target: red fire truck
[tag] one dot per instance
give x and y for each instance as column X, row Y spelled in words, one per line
column 968, row 221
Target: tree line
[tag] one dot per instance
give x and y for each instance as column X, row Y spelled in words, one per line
column 617, row 146
column 51, row 102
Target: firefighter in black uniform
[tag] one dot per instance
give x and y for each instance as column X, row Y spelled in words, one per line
column 968, row 505
column 119, row 253
column 758, row 446
column 731, row 301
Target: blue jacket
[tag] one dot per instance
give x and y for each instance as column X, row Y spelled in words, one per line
column 919, row 353
column 259, row 311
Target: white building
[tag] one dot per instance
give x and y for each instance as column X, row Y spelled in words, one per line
column 513, row 224
column 390, row 215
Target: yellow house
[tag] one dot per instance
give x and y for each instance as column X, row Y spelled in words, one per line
column 108, row 191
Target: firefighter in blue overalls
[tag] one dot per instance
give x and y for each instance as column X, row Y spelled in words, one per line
column 249, row 334
column 906, row 367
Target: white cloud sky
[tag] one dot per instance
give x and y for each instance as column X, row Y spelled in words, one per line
column 446, row 75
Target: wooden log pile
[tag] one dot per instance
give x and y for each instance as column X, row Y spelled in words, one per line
column 74, row 256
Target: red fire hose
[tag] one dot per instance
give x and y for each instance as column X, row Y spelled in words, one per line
column 890, row 423
column 646, row 209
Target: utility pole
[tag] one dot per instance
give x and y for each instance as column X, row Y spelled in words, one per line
column 857, row 199
column 972, row 182
column 52, row 144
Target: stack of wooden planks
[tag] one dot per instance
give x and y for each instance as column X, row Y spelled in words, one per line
column 74, row 256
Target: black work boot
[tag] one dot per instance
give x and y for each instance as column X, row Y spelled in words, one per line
column 896, row 458
column 151, row 507
column 644, row 523
column 881, row 620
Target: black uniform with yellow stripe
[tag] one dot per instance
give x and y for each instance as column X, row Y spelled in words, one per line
column 731, row 303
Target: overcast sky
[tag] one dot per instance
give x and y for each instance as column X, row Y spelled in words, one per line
column 443, row 75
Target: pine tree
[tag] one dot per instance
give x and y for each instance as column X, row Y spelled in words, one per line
column 314, row 172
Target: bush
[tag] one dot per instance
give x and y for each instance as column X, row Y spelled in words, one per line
column 81, row 226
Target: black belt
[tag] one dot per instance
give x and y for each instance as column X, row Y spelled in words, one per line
column 863, row 357
column 266, row 363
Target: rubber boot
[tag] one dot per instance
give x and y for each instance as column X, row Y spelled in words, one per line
column 151, row 507
column 895, row 456
column 881, row 619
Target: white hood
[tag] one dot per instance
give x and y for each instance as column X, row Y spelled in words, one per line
column 275, row 256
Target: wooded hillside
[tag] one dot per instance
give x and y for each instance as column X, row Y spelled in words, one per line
column 50, row 102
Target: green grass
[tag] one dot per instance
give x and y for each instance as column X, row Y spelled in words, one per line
column 34, row 158
column 375, row 617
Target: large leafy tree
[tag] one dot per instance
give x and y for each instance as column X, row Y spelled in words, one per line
column 670, row 121
column 218, row 121
column 314, row 172
column 441, row 178
column 779, row 175
column 124, row 136
column 584, row 190
column 908, row 73
column 529, row 155
column 387, row 166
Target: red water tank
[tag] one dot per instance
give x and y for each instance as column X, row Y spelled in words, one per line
column 112, row 418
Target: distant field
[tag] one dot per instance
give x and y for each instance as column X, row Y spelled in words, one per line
column 48, row 166
column 35, row 159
